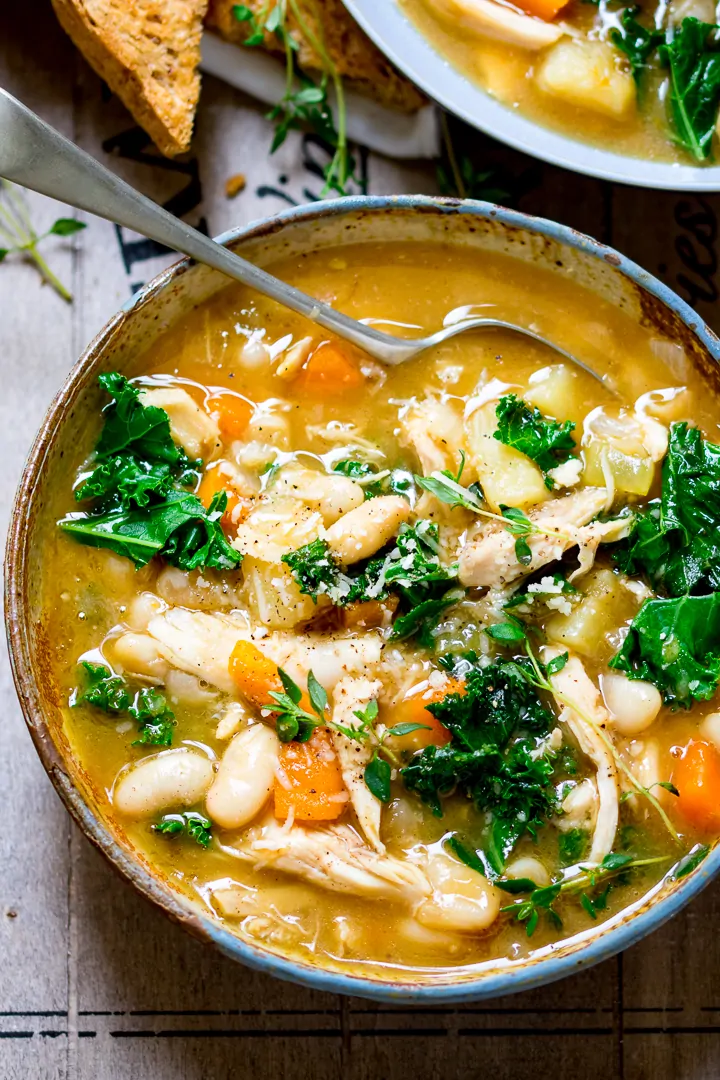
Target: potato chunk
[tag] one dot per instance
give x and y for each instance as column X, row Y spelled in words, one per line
column 506, row 476
column 606, row 605
column 587, row 73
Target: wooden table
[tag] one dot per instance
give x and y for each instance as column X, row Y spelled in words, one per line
column 94, row 983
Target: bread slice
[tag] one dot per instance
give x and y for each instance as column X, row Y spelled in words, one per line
column 148, row 52
column 356, row 58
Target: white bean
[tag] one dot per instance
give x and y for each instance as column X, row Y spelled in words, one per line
column 710, row 728
column 141, row 609
column 254, row 355
column 367, row 528
column 172, row 778
column 245, row 778
column 331, row 495
column 633, row 704
column 196, row 432
column 139, row 654
column 527, row 867
column 462, row 899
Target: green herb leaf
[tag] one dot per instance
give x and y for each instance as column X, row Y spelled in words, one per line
column 676, row 541
column 154, row 717
column 507, row 632
column 675, row 644
column 636, row 41
column 66, row 227
column 692, row 56
column 407, row 729
column 103, row 690
column 377, row 777
column 189, row 822
column 691, row 861
column 515, row 886
column 546, row 442
column 557, row 663
column 317, row 695
column 572, row 846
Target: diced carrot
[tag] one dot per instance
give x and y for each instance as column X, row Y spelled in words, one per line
column 413, row 710
column 257, row 676
column 330, row 371
column 543, row 9
column 697, row 778
column 230, row 412
column 310, row 781
column 369, row 613
column 212, row 482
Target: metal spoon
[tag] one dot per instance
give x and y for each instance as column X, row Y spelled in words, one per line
column 37, row 156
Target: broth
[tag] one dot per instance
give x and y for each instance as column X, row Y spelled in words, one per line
column 582, row 84
column 149, row 626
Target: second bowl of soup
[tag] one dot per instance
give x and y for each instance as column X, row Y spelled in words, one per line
column 391, row 680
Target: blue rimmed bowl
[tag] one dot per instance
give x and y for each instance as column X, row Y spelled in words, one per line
column 475, row 226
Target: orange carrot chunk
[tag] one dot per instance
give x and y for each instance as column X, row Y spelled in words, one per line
column 543, row 9
column 310, row 781
column 697, row 778
column 212, row 482
column 257, row 676
column 413, row 710
column 330, row 371
column 230, row 412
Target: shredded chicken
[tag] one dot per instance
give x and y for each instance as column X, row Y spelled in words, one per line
column 334, row 858
column 353, row 695
column 573, row 682
column 434, row 431
column 489, row 559
column 201, row 644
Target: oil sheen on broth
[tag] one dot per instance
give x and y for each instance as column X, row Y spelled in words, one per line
column 539, row 762
column 572, row 66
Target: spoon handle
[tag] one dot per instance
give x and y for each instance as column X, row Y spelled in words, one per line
column 37, row 156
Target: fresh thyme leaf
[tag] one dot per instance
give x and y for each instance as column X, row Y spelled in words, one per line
column 189, row 822
column 66, row 227
column 406, row 729
column 557, row 664
column 635, row 40
column 154, row 717
column 317, row 695
column 377, row 777
column 690, row 861
column 523, row 551
column 421, row 620
column 445, row 487
column 675, row 644
column 546, row 442
column 103, row 690
column 292, row 722
column 507, row 632
column 693, row 59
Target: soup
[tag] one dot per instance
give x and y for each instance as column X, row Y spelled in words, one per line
column 625, row 79
column 403, row 669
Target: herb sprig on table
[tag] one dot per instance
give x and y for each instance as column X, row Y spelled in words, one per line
column 139, row 488
column 305, row 102
column 18, row 232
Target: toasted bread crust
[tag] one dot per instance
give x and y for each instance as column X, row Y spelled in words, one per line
column 148, row 52
column 356, row 58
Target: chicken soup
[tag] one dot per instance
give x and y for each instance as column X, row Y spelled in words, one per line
column 401, row 669
column 642, row 81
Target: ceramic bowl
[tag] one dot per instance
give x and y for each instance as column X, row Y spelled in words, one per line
column 476, row 226
column 413, row 54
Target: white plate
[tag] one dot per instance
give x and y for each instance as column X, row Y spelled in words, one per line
column 413, row 54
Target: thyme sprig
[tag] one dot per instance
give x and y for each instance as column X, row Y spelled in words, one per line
column 18, row 232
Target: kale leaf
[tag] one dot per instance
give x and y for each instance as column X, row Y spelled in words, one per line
column 492, row 757
column 154, row 717
column 143, row 430
column 693, row 60
column 636, row 41
column 138, row 486
column 180, row 528
column 676, row 541
column 375, row 482
column 675, row 644
column 547, row 442
column 190, row 823
column 102, row 689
